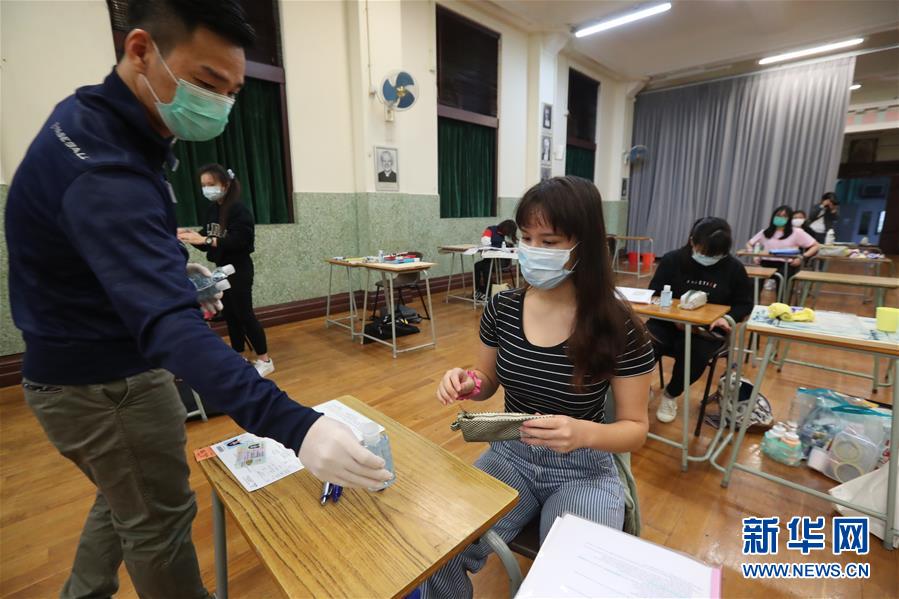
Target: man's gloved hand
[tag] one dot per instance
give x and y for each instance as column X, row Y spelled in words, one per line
column 331, row 452
column 212, row 305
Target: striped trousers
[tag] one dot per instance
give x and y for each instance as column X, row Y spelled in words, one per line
column 584, row 482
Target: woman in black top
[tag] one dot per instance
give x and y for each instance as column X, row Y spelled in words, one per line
column 228, row 238
column 703, row 264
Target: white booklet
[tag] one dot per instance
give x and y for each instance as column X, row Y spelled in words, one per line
column 580, row 558
column 635, row 295
column 279, row 461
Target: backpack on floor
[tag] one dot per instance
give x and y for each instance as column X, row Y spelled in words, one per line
column 762, row 416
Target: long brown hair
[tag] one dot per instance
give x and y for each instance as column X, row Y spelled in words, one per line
column 572, row 206
column 232, row 196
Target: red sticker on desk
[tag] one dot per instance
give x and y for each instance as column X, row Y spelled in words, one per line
column 204, row 454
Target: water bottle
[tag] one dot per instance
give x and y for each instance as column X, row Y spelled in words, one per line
column 208, row 287
column 376, row 441
column 666, row 297
column 830, row 237
column 757, row 248
column 380, row 255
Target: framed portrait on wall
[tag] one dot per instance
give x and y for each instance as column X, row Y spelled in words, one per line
column 545, row 173
column 547, row 117
column 387, row 176
column 546, row 151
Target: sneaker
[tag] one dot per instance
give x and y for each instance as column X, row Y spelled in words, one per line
column 480, row 297
column 667, row 411
column 264, row 368
column 770, row 285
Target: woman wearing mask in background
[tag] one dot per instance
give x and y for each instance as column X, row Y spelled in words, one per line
column 556, row 347
column 781, row 235
column 495, row 236
column 228, row 238
column 703, row 264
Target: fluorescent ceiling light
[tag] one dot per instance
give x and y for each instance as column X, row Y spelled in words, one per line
column 623, row 20
column 811, row 51
column 855, row 86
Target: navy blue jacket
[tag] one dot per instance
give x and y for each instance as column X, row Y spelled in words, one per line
column 97, row 278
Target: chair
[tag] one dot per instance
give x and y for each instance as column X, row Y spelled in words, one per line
column 527, row 543
column 712, row 365
column 403, row 281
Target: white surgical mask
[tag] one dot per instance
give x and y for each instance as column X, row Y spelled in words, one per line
column 544, row 268
column 706, row 260
column 798, row 222
column 213, row 193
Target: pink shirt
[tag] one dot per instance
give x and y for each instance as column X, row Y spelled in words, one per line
column 797, row 239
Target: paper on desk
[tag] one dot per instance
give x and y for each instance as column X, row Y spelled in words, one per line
column 279, row 460
column 636, row 295
column 580, row 558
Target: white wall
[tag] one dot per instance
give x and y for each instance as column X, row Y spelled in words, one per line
column 48, row 49
column 318, row 95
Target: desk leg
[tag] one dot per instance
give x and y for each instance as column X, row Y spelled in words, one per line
column 780, row 288
column 389, row 285
column 365, row 304
column 474, row 286
column 890, row 529
column 352, row 303
column 221, row 547
column 430, row 308
column 747, row 415
column 328, row 298
column 878, row 294
column 489, row 280
column 688, row 342
column 505, row 555
column 449, row 284
column 639, row 257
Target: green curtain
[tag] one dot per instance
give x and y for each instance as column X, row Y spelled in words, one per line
column 251, row 146
column 579, row 162
column 466, row 169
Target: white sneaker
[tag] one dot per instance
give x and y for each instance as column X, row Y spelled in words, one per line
column 264, row 368
column 667, row 411
column 770, row 285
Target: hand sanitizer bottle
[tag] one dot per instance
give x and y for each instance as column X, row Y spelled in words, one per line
column 666, row 297
column 377, row 442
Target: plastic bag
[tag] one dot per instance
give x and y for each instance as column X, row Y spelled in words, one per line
column 835, row 412
column 870, row 491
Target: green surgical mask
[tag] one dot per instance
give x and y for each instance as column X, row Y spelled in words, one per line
column 194, row 114
column 780, row 221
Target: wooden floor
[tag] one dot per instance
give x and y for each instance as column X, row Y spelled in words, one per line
column 45, row 499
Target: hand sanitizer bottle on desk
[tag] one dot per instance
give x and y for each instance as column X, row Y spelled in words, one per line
column 665, row 298
column 377, row 442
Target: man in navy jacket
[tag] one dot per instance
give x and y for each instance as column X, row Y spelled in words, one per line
column 98, row 287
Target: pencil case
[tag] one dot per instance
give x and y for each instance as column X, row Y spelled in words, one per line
column 491, row 426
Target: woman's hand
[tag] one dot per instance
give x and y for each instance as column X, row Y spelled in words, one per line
column 559, row 433
column 796, row 262
column 756, row 260
column 455, row 384
column 720, row 324
column 191, row 237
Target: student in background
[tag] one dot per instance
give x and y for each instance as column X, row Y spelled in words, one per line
column 493, row 235
column 800, row 221
column 781, row 234
column 228, row 238
column 703, row 264
column 824, row 216
column 556, row 347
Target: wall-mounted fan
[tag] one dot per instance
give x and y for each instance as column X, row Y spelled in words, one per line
column 636, row 155
column 398, row 91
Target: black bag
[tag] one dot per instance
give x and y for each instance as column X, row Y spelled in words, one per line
column 403, row 313
column 381, row 329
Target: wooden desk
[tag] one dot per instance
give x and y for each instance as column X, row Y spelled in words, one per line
column 368, row 544
column 868, row 340
column 808, row 279
column 763, row 273
column 704, row 316
column 873, row 264
column 388, row 273
column 639, row 239
column 460, row 250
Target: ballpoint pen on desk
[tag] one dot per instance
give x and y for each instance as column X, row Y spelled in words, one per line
column 332, row 492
